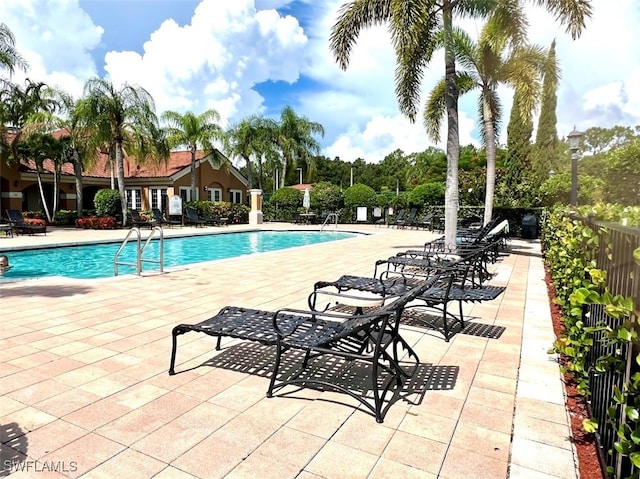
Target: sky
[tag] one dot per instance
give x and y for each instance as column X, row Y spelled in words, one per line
column 246, row 57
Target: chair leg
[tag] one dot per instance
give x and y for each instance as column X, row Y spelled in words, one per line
column 174, row 339
column 276, row 367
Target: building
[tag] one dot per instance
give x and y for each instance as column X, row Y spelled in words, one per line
column 147, row 185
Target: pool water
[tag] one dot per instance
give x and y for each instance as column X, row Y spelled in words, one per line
column 96, row 260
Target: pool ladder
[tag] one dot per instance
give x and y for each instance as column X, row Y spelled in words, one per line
column 329, row 216
column 140, row 259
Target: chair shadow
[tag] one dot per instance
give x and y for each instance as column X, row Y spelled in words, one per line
column 13, row 448
column 257, row 359
column 422, row 319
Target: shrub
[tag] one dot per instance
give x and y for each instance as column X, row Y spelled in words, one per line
column 107, row 202
column 237, row 214
column 360, row 195
column 426, row 194
column 286, row 202
column 326, row 197
column 35, row 221
column 97, row 222
column 65, row 217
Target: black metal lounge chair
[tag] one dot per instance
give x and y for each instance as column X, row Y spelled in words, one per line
column 20, row 226
column 191, row 217
column 372, row 339
column 465, row 282
column 137, row 220
column 409, row 220
column 159, row 219
column 399, row 217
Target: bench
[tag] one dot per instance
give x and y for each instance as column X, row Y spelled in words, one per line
column 371, row 338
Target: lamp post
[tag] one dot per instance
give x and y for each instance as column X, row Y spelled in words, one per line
column 574, row 145
column 351, row 179
column 300, row 175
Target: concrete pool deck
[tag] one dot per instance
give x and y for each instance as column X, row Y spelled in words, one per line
column 84, row 385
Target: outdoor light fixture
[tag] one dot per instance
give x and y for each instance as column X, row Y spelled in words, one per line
column 574, row 145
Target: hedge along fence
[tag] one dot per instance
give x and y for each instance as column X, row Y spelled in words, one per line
column 595, row 267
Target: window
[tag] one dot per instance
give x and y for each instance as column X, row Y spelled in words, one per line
column 134, row 198
column 158, row 198
column 235, row 196
column 214, row 194
column 185, row 194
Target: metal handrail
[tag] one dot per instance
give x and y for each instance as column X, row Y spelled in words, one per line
column 329, row 216
column 159, row 261
column 137, row 264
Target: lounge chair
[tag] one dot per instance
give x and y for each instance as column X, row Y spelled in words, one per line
column 159, row 219
column 425, row 222
column 399, row 217
column 137, row 220
column 409, row 220
column 371, row 339
column 462, row 279
column 20, row 226
column 191, row 217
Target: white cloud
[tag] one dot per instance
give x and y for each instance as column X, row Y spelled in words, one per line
column 56, row 38
column 216, row 60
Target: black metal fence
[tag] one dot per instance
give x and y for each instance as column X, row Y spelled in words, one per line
column 615, row 256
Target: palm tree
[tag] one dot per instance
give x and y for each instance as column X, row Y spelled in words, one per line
column 9, row 56
column 414, row 27
column 250, row 139
column 295, row 141
column 124, row 118
column 485, row 67
column 196, row 132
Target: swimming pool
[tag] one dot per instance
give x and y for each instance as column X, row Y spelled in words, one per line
column 96, row 260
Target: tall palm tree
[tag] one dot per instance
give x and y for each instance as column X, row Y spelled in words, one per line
column 250, row 139
column 498, row 57
column 295, row 141
column 196, row 132
column 125, row 118
column 414, row 27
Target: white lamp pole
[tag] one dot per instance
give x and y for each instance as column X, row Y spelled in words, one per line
column 300, row 175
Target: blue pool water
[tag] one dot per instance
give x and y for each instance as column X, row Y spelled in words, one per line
column 96, row 260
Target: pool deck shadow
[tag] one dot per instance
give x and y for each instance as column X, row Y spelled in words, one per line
column 83, row 373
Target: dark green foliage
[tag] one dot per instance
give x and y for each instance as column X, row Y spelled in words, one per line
column 557, row 190
column 326, row 197
column 427, row 194
column 107, row 202
column 519, row 133
column 284, row 204
column 236, row 213
column 287, row 197
column 360, row 195
column 65, row 217
column 547, row 135
column 623, row 174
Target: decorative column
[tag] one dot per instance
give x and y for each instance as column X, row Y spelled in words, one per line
column 255, row 215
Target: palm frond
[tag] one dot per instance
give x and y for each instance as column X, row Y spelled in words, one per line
column 572, row 13
column 353, row 17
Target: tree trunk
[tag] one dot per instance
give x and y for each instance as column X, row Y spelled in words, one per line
column 121, row 186
column 284, row 171
column 42, row 198
column 249, row 175
column 56, row 188
column 77, row 169
column 194, row 186
column 490, row 145
column 451, row 201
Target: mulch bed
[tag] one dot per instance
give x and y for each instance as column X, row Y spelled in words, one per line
column 585, row 443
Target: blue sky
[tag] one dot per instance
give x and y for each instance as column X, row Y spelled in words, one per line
column 245, row 57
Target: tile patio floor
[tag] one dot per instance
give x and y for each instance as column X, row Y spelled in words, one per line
column 84, row 384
